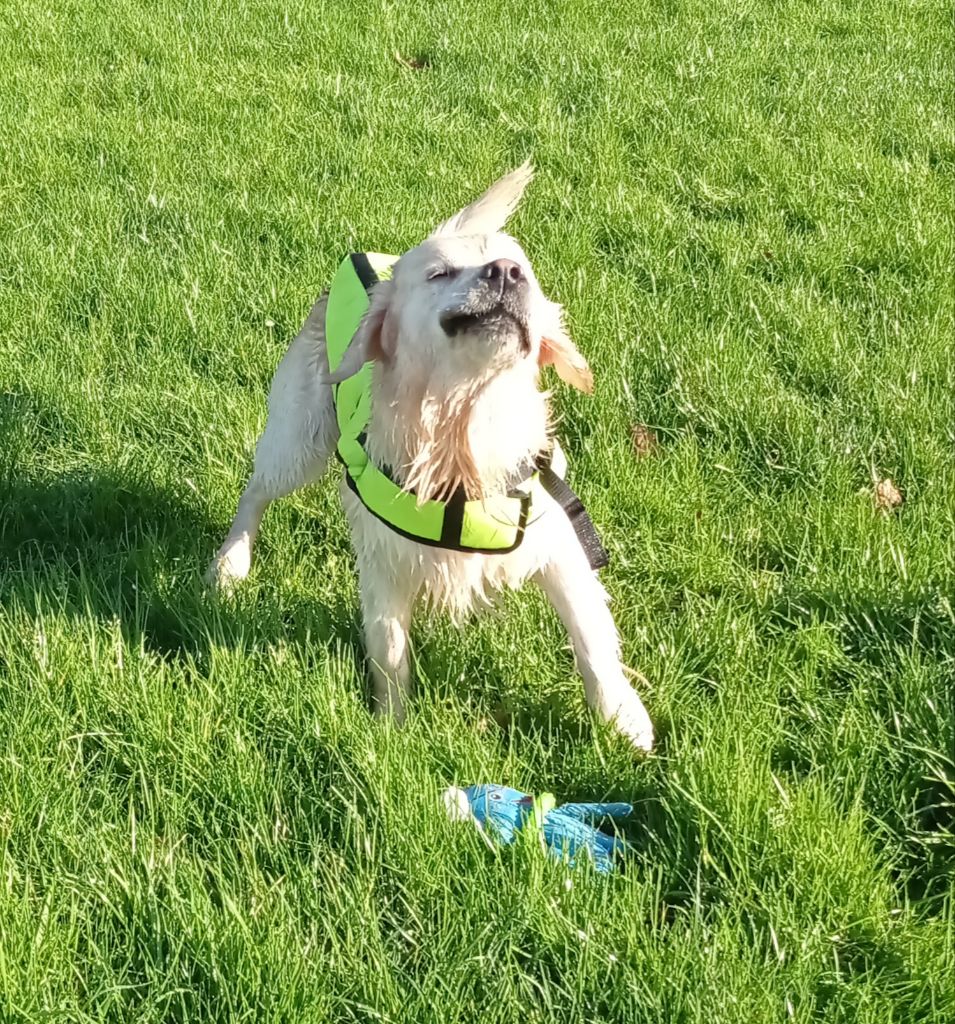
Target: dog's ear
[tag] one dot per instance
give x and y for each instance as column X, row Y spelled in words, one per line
column 490, row 212
column 557, row 349
column 374, row 341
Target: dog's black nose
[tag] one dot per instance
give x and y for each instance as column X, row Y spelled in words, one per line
column 503, row 272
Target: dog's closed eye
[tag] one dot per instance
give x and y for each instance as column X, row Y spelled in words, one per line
column 437, row 273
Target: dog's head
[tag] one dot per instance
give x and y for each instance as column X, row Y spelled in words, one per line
column 464, row 306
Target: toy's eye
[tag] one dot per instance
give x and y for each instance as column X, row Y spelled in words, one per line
column 440, row 272
column 495, row 796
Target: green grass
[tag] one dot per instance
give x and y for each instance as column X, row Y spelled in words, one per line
column 748, row 211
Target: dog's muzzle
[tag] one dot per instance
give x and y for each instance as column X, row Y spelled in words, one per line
column 498, row 304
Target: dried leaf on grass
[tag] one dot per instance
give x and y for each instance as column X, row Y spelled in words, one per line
column 644, row 440
column 885, row 495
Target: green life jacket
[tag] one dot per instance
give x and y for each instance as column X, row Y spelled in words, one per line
column 490, row 525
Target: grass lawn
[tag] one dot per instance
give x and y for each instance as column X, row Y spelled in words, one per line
column 747, row 210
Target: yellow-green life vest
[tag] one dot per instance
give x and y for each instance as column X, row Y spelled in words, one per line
column 492, row 525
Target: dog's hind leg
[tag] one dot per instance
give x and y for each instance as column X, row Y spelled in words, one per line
column 294, row 448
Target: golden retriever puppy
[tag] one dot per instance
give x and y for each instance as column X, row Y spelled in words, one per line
column 450, row 348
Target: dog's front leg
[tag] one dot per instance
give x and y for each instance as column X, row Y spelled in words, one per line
column 581, row 602
column 386, row 605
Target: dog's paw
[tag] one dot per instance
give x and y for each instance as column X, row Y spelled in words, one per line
column 229, row 568
column 630, row 719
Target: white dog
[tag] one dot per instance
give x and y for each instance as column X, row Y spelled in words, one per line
column 452, row 345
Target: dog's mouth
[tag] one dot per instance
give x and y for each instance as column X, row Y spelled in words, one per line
column 458, row 323
column 498, row 320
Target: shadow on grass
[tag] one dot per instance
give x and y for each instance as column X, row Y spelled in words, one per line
column 121, row 549
column 116, row 547
column 868, row 622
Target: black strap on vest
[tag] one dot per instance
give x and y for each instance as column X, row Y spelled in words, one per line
column 573, row 508
column 364, row 270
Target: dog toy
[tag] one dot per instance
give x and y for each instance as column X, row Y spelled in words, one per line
column 500, row 813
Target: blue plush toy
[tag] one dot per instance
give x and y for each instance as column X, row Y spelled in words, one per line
column 500, row 813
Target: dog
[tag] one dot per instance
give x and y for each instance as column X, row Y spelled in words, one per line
column 453, row 343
